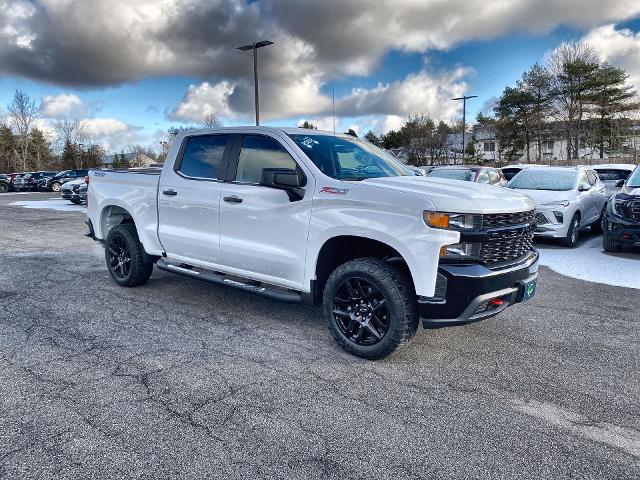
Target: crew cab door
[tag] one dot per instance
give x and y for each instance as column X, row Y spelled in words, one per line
column 263, row 232
column 189, row 200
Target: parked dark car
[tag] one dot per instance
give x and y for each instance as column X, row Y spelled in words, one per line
column 30, row 180
column 470, row 173
column 4, row 183
column 621, row 222
column 20, row 181
column 10, row 178
column 53, row 183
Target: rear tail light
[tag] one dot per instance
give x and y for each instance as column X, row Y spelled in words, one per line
column 86, row 179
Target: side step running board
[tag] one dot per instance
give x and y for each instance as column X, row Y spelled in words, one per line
column 220, row 279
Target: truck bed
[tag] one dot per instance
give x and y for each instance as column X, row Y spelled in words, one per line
column 134, row 191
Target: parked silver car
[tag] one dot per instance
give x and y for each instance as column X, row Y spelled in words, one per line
column 567, row 199
column 613, row 175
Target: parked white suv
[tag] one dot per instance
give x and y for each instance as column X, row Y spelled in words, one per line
column 282, row 212
column 567, row 199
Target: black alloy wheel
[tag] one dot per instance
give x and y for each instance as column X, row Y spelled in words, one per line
column 119, row 256
column 361, row 311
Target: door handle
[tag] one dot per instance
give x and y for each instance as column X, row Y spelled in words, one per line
column 171, row 193
column 233, row 199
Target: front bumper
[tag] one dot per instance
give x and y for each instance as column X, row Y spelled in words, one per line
column 469, row 292
column 548, row 224
column 622, row 230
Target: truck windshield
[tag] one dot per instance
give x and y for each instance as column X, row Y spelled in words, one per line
column 348, row 158
column 634, row 179
column 545, row 179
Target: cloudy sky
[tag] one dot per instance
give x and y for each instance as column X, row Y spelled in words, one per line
column 133, row 68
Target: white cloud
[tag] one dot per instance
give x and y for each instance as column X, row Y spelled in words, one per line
column 64, row 104
column 618, row 47
column 203, row 100
column 112, row 133
column 417, row 92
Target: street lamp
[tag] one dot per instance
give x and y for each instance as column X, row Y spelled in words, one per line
column 255, row 46
column 80, row 145
column 464, row 117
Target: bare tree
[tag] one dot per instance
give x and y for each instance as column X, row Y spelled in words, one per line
column 211, row 121
column 23, row 114
column 72, row 130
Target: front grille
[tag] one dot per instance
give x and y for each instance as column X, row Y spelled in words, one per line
column 498, row 220
column 504, row 244
column 635, row 209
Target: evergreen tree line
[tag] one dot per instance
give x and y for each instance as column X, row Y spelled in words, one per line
column 588, row 104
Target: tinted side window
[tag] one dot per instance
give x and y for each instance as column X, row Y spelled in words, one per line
column 202, row 156
column 592, row 177
column 261, row 152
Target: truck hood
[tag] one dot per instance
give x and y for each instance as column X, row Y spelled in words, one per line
column 456, row 195
column 541, row 197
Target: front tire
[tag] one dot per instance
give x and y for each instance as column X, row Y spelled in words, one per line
column 55, row 187
column 571, row 239
column 125, row 256
column 370, row 308
column 4, row 188
column 609, row 244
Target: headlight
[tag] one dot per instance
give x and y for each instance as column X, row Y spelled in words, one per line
column 620, row 204
column 452, row 221
column 561, row 203
column 461, row 251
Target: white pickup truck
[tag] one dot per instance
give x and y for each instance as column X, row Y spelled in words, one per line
column 284, row 212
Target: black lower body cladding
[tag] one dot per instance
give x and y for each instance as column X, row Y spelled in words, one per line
column 625, row 232
column 475, row 292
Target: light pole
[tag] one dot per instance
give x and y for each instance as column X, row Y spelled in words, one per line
column 255, row 46
column 80, row 145
column 464, row 117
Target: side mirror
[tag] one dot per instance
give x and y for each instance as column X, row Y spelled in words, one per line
column 584, row 187
column 620, row 183
column 289, row 180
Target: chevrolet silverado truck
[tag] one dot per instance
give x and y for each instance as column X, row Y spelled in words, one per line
column 284, row 212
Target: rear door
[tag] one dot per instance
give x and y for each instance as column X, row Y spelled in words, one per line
column 263, row 233
column 189, row 200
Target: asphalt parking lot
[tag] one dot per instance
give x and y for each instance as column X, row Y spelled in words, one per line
column 184, row 379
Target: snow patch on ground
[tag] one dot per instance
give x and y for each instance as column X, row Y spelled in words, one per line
column 589, row 262
column 56, row 204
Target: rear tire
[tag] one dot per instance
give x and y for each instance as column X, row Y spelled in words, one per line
column 4, row 188
column 370, row 308
column 125, row 256
column 571, row 239
column 55, row 187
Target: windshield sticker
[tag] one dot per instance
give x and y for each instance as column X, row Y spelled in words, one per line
column 309, row 142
